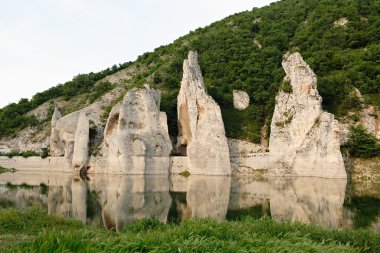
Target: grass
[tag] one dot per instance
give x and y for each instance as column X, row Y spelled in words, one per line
column 34, row 231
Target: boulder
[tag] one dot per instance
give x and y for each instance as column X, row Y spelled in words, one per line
column 201, row 134
column 136, row 133
column 241, row 99
column 304, row 140
column 82, row 137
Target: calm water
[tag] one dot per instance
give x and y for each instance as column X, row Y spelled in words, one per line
column 113, row 201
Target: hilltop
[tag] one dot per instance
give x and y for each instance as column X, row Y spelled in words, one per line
column 338, row 39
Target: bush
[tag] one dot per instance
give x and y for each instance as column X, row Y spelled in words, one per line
column 286, row 87
column 23, row 154
column 361, row 143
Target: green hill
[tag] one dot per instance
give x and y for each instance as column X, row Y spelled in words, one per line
column 339, row 39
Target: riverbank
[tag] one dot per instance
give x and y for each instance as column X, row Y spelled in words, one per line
column 34, row 231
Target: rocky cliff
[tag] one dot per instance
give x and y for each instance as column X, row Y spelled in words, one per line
column 70, row 138
column 201, row 137
column 137, row 132
column 304, row 139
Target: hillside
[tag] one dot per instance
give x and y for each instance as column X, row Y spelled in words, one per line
column 339, row 39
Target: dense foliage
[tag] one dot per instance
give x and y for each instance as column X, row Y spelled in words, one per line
column 34, row 231
column 13, row 117
column 361, row 143
column 245, row 50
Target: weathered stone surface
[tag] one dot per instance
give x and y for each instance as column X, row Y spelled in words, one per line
column 201, row 129
column 304, row 140
column 82, row 137
column 340, row 22
column 370, row 119
column 56, row 146
column 64, row 130
column 4, row 149
column 136, row 131
column 241, row 99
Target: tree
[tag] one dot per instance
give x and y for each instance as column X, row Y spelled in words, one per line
column 361, row 143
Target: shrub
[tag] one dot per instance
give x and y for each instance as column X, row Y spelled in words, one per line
column 361, row 143
column 286, row 87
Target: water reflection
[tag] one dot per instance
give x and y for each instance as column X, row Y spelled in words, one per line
column 126, row 199
column 200, row 196
column 114, row 201
column 308, row 200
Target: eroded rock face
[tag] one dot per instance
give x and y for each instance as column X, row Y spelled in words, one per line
column 137, row 132
column 82, row 137
column 201, row 129
column 56, row 147
column 241, row 99
column 304, row 140
column 70, row 138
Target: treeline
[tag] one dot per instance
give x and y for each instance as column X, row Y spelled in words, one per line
column 245, row 51
column 13, row 117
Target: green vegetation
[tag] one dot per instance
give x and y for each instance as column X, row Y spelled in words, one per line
column 366, row 210
column 13, row 117
column 185, row 173
column 25, row 154
column 343, row 57
column 4, row 170
column 286, row 87
column 34, row 231
column 361, row 143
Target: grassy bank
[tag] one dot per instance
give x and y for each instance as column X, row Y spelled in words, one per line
column 34, row 231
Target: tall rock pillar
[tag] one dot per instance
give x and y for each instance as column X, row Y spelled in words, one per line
column 201, row 135
column 304, row 140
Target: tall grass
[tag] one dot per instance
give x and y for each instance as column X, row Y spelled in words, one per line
column 197, row 235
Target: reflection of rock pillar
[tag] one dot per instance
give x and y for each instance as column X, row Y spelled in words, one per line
column 79, row 199
column 135, row 197
column 306, row 200
column 59, row 198
column 208, row 196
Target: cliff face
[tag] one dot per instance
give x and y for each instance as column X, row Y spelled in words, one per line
column 82, row 138
column 202, row 137
column 70, row 138
column 136, row 131
column 304, row 140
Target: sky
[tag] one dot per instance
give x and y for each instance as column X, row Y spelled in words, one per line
column 47, row 42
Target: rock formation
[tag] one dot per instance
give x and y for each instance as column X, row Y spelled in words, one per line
column 304, row 140
column 70, row 138
column 241, row 99
column 56, row 148
column 136, row 133
column 201, row 129
column 82, row 136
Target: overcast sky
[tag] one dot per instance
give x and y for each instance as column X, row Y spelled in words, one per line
column 46, row 42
